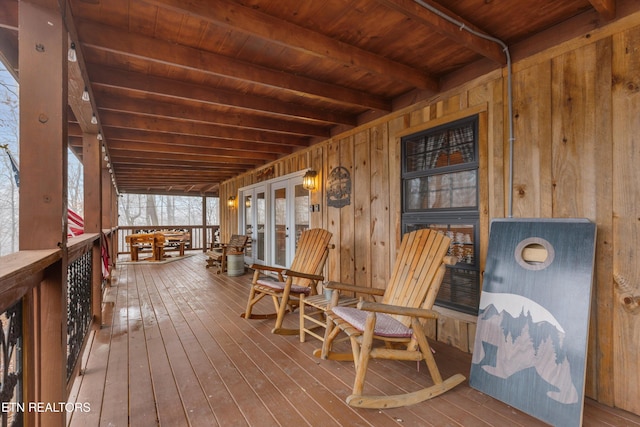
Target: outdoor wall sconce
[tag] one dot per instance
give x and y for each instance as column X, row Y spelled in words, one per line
column 309, row 180
column 231, row 201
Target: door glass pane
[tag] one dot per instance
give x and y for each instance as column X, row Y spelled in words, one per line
column 301, row 211
column 248, row 220
column 261, row 220
column 280, row 216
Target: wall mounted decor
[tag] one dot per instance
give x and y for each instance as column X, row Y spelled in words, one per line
column 339, row 187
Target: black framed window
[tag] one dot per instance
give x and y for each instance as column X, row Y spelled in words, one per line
column 440, row 191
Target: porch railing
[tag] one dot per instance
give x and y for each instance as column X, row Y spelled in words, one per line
column 36, row 367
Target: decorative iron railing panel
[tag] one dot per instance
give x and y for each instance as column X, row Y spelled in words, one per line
column 11, row 398
column 78, row 307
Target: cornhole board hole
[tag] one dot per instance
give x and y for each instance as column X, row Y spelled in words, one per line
column 533, row 322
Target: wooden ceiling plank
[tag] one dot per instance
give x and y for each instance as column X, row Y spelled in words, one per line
column 83, row 111
column 196, row 143
column 116, row 41
column 420, row 14
column 250, row 21
column 164, row 87
column 170, row 180
column 119, row 156
column 205, row 113
column 9, row 51
column 126, row 136
column 606, row 8
column 185, row 128
column 211, row 144
column 182, row 149
column 9, row 15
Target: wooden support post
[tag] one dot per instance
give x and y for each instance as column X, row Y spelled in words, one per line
column 204, row 225
column 107, row 187
column 114, row 224
column 91, row 159
column 43, row 199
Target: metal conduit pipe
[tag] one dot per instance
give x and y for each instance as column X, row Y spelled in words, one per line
column 505, row 49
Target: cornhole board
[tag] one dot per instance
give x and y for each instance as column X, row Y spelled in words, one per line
column 533, row 322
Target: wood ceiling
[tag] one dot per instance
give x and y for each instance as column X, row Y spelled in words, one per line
column 191, row 93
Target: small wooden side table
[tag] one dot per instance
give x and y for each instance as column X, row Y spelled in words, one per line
column 313, row 308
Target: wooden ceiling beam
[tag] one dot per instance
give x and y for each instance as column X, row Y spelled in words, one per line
column 82, row 110
column 168, row 181
column 205, row 191
column 418, row 13
column 185, row 128
column 132, row 136
column 606, row 8
column 9, row 15
column 183, row 149
column 191, row 167
column 9, row 51
column 256, row 23
column 203, row 145
column 116, row 41
column 169, row 178
column 124, row 156
column 206, row 114
column 164, row 87
column 9, row 36
column 125, row 168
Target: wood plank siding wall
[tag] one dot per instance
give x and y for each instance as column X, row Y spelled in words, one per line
column 577, row 151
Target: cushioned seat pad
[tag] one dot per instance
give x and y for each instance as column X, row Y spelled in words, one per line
column 386, row 326
column 273, row 284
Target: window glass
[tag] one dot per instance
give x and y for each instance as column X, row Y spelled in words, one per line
column 440, row 191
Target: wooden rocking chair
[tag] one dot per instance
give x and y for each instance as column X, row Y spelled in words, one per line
column 301, row 277
column 397, row 320
column 217, row 256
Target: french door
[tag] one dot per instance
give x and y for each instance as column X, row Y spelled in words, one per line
column 290, row 217
column 253, row 223
column 274, row 214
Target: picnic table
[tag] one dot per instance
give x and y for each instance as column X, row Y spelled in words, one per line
column 156, row 241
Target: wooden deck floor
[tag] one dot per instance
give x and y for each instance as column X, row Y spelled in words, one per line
column 173, row 351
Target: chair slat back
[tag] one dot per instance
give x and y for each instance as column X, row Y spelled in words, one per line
column 415, row 274
column 311, row 253
column 238, row 242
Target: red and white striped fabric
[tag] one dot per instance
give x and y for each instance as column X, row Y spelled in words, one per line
column 75, row 225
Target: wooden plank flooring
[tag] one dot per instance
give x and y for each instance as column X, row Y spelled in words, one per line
column 173, row 351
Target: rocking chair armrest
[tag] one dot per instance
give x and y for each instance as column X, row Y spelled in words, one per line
column 394, row 309
column 353, row 288
column 261, row 267
column 294, row 273
column 450, row 260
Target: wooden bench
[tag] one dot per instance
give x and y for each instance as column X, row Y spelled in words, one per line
column 218, row 254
